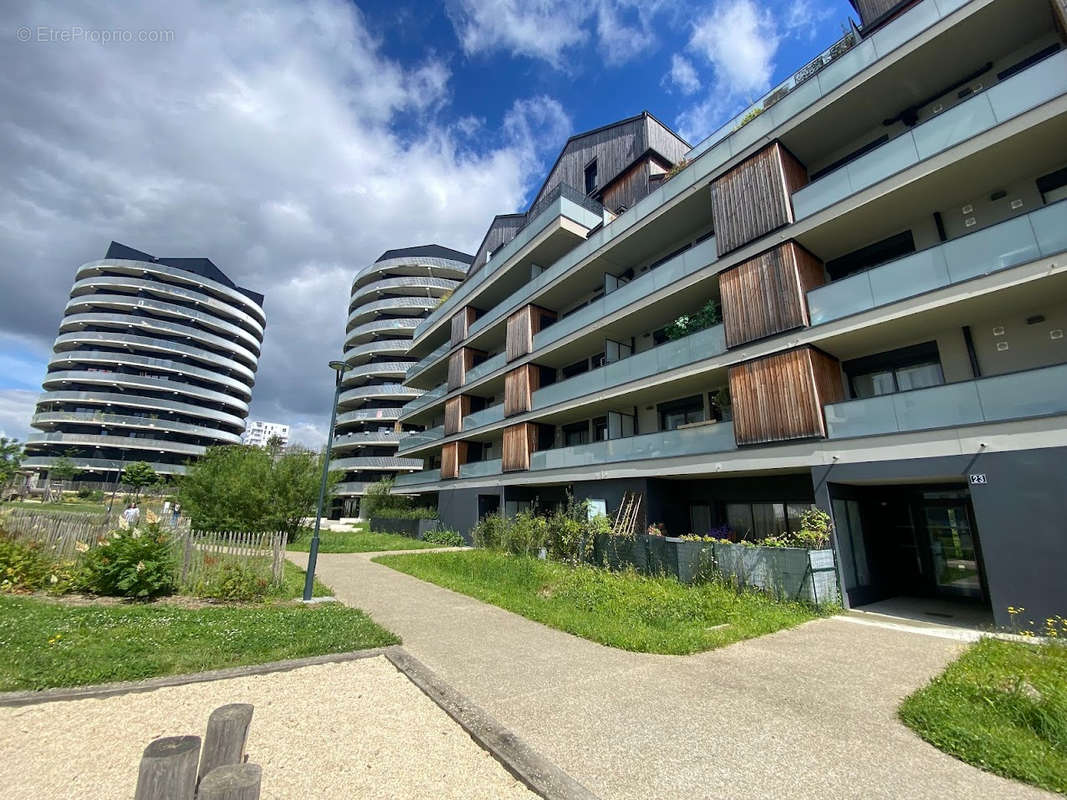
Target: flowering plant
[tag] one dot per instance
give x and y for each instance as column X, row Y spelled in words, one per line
column 140, row 565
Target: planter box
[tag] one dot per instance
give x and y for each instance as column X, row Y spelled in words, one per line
column 413, row 528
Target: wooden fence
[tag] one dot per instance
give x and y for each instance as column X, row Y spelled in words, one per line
column 66, row 535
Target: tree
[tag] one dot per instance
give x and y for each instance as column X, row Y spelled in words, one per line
column 240, row 488
column 139, row 475
column 10, row 458
column 379, row 497
column 63, row 468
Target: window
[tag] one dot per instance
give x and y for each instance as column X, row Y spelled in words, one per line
column 871, row 256
column 681, row 412
column 597, row 361
column 1053, row 186
column 600, row 429
column 913, row 367
column 754, row 521
column 577, row 368
column 590, row 177
column 576, row 433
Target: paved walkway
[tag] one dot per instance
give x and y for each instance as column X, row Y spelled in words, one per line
column 803, row 713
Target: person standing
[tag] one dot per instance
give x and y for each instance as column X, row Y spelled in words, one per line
column 176, row 510
column 131, row 514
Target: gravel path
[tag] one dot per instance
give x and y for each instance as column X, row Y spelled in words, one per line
column 356, row 729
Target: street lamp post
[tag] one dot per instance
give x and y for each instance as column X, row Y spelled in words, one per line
column 339, row 368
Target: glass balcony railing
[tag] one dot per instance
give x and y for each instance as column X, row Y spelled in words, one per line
column 415, row 478
column 1000, row 398
column 480, row 469
column 562, row 201
column 415, row 439
column 487, row 416
column 665, row 357
column 424, row 399
column 1028, row 89
column 1015, row 241
column 427, row 360
column 491, row 364
column 717, row 438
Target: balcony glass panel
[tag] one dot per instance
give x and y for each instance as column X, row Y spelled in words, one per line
column 487, row 416
column 426, row 361
column 479, row 469
column 1007, row 244
column 415, row 478
column 716, row 438
column 412, row 440
column 1031, row 87
column 999, row 398
column 489, row 365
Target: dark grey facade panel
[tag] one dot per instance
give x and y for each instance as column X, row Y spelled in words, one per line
column 427, row 250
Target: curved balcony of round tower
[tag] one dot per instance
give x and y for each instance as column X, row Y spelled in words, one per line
column 97, row 359
column 415, row 286
column 49, row 421
column 401, row 328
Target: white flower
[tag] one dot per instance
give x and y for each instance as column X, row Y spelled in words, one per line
column 53, row 579
column 140, row 566
column 136, row 534
column 83, row 547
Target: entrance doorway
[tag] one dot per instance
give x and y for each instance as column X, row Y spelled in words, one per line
column 915, row 541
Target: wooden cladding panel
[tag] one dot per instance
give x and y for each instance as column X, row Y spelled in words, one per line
column 453, row 455
column 768, row 294
column 523, row 325
column 519, row 441
column 519, row 386
column 458, row 363
column 754, row 198
column 461, row 322
column 456, row 408
column 781, row 396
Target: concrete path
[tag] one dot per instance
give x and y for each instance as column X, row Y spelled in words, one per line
column 803, row 713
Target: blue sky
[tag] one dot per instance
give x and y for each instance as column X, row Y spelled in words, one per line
column 292, row 143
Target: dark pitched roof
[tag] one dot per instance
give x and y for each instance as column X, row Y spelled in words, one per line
column 428, row 250
column 203, row 267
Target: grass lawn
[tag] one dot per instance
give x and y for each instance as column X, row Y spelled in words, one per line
column 1002, row 706
column 45, row 644
column 618, row 609
column 358, row 541
column 79, row 507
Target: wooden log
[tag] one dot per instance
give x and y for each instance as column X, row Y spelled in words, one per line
column 232, row 782
column 168, row 769
column 224, row 742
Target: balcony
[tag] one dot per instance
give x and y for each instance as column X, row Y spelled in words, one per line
column 1016, row 241
column 1000, row 398
column 1030, row 88
column 480, row 469
column 420, row 439
column 717, row 438
column 417, row 478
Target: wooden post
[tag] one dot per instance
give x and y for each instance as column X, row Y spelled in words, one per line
column 224, row 742
column 168, row 769
column 233, row 782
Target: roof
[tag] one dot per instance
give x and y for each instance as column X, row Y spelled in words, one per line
column 428, row 250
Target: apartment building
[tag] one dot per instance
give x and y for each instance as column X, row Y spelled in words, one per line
column 388, row 300
column 155, row 361
column 872, row 261
column 259, row 433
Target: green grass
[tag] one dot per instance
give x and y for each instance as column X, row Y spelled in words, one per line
column 358, row 541
column 981, row 710
column 78, row 507
column 45, row 644
column 293, row 584
column 618, row 609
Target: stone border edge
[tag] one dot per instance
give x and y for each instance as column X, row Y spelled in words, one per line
column 31, row 697
column 538, row 773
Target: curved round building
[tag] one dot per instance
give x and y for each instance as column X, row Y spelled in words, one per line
column 155, row 361
column 389, row 298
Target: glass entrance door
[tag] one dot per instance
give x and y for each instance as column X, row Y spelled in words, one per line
column 953, row 550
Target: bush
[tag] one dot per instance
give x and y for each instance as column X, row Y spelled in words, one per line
column 85, row 494
column 97, row 495
column 525, row 534
column 489, row 532
column 137, row 564
column 418, row 512
column 710, row 314
column 234, row 581
column 572, row 534
column 23, row 568
column 445, row 538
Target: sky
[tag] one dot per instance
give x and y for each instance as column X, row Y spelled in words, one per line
column 292, row 143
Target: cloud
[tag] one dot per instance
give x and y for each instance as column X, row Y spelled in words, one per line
column 263, row 136
column 16, row 408
column 683, row 76
column 547, row 30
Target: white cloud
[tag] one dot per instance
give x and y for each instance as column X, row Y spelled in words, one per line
column 683, row 76
column 274, row 138
column 16, row 408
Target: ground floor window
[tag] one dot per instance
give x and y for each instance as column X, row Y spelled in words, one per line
column 753, row 521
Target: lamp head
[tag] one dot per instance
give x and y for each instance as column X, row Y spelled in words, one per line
column 339, row 366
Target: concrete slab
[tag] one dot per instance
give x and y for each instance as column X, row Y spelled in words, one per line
column 809, row 712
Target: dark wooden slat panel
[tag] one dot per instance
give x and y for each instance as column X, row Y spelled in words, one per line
column 453, row 455
column 523, row 325
column 461, row 322
column 458, row 363
column 519, row 441
column 754, row 198
column 768, row 294
column 781, row 396
column 519, row 386
column 456, row 408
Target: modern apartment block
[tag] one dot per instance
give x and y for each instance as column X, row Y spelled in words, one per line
column 155, row 361
column 885, row 237
column 259, row 433
column 388, row 300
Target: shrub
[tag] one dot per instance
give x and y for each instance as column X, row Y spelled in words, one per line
column 84, row 494
column 572, row 534
column 137, row 564
column 418, row 512
column 814, row 533
column 710, row 314
column 525, row 534
column 97, row 495
column 234, row 581
column 23, row 568
column 489, row 532
column 445, row 538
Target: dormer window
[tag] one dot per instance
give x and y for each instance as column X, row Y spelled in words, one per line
column 590, row 177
